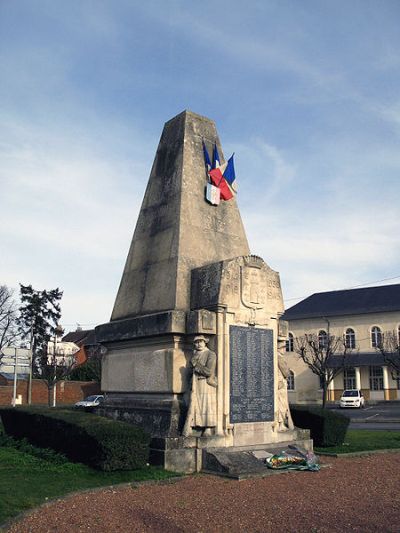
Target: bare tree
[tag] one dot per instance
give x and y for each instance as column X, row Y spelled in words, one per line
column 389, row 346
column 56, row 367
column 326, row 357
column 8, row 316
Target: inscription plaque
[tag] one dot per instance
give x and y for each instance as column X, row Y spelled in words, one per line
column 252, row 374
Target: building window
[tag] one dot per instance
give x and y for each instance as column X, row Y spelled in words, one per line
column 397, row 379
column 349, row 378
column 350, row 338
column 290, row 381
column 290, row 343
column 376, row 378
column 323, row 339
column 376, row 337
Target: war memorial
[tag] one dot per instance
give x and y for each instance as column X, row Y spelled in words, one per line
column 193, row 346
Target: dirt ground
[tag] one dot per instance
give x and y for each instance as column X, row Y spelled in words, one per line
column 349, row 494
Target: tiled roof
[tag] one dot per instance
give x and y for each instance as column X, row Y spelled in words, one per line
column 347, row 302
column 81, row 337
column 358, row 359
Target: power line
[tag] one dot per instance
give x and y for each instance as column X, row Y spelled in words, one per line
column 346, row 288
column 378, row 281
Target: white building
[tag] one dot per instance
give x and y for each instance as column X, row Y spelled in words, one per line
column 65, row 352
column 361, row 316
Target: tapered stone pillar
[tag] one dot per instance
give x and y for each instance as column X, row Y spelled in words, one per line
column 149, row 336
column 189, row 273
column 177, row 230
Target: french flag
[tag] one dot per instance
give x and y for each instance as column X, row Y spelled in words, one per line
column 229, row 173
column 222, row 176
column 219, row 181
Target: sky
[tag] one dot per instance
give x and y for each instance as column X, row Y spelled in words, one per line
column 305, row 93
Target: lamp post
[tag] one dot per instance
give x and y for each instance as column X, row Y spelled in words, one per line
column 31, row 368
column 58, row 332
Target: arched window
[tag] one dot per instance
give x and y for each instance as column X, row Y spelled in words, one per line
column 350, row 339
column 290, row 343
column 290, row 381
column 397, row 379
column 376, row 337
column 323, row 339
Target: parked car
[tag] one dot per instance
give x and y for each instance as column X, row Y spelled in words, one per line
column 91, row 401
column 352, row 398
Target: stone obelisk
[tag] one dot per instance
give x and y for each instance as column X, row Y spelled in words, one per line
column 177, row 230
column 149, row 337
column 190, row 281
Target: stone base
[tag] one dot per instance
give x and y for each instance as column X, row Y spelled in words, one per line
column 182, row 454
column 172, row 455
column 207, row 454
column 161, row 416
column 240, row 464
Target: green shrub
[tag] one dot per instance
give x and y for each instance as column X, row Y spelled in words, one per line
column 326, row 427
column 99, row 442
column 23, row 445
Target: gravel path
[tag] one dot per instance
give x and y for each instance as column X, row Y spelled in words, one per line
column 351, row 494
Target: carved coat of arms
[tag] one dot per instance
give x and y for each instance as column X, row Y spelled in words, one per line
column 253, row 283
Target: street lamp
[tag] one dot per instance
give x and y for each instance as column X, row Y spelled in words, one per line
column 58, row 332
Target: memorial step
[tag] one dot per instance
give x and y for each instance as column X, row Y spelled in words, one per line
column 248, row 461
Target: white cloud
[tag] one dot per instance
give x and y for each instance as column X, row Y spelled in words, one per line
column 68, row 211
column 314, row 125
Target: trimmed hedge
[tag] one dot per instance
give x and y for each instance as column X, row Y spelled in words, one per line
column 327, row 428
column 99, row 442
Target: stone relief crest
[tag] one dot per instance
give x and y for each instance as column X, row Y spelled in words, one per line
column 253, row 283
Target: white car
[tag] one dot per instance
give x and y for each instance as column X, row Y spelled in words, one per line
column 91, row 401
column 352, row 398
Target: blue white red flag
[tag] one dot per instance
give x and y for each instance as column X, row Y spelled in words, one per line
column 229, row 173
column 222, row 177
column 219, row 181
column 215, row 157
column 206, row 158
column 213, row 194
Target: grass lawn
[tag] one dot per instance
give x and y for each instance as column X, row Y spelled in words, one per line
column 27, row 481
column 359, row 440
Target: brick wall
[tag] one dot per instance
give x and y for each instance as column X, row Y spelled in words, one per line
column 68, row 392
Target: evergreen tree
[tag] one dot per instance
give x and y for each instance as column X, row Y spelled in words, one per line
column 39, row 315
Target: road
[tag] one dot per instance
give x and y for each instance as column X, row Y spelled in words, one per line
column 379, row 416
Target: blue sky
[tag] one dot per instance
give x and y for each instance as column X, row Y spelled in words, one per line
column 305, row 93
